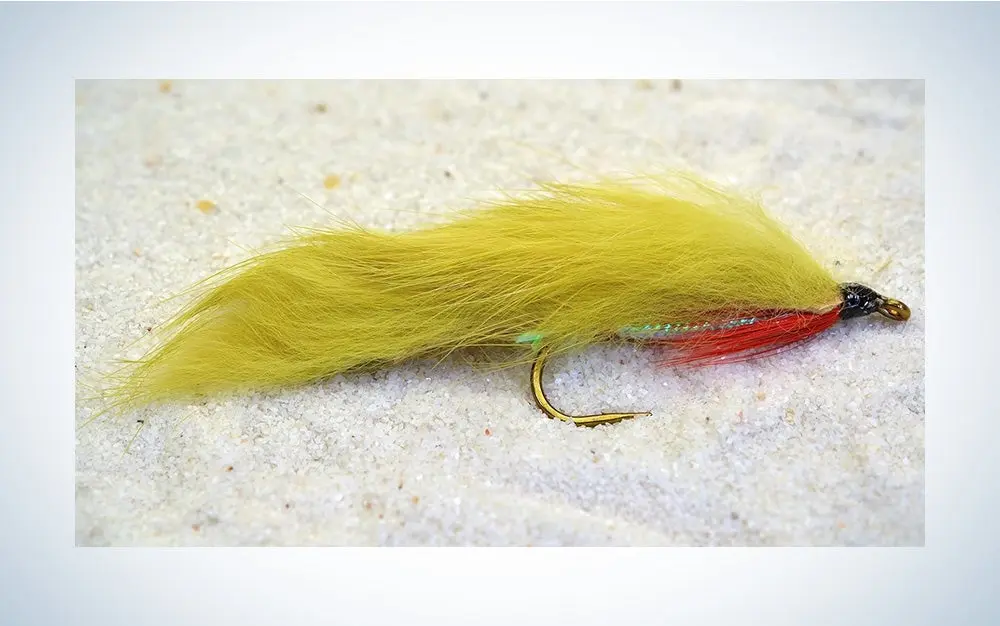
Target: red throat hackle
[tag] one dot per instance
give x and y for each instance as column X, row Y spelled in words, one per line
column 772, row 333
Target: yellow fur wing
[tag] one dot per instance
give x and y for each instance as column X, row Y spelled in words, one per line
column 566, row 266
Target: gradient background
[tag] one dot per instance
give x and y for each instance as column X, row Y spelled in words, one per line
column 45, row 47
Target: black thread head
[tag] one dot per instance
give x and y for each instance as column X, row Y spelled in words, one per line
column 860, row 301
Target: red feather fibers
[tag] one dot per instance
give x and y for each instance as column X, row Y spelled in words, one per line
column 774, row 333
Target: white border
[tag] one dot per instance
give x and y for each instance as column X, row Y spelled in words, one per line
column 47, row 580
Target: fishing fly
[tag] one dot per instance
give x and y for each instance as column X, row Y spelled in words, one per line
column 674, row 263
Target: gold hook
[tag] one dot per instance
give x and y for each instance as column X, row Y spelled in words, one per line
column 894, row 310
column 551, row 411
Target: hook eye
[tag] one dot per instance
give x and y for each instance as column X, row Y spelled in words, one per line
column 894, row 310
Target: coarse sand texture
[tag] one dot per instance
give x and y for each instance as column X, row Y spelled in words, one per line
column 818, row 445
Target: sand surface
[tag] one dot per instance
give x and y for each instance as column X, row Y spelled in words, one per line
column 823, row 445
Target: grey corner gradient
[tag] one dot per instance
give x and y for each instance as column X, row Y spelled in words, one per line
column 45, row 47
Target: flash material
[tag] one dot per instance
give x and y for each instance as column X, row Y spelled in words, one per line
column 672, row 262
